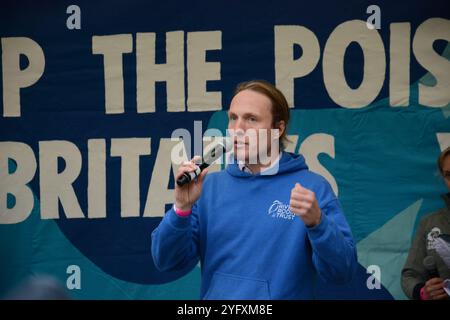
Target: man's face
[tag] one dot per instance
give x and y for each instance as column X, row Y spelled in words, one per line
column 250, row 124
column 446, row 170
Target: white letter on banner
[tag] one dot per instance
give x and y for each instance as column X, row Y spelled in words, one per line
column 443, row 140
column 148, row 72
column 112, row 48
column 13, row 77
column 399, row 64
column 287, row 69
column 314, row 145
column 159, row 194
column 96, row 178
column 129, row 149
column 427, row 33
column 14, row 182
column 374, row 64
column 57, row 186
column 200, row 71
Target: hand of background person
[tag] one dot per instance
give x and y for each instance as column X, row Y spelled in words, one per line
column 434, row 289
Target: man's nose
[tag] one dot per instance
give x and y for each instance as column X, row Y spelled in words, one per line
column 239, row 125
column 237, row 128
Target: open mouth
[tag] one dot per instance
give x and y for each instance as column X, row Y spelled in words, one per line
column 240, row 144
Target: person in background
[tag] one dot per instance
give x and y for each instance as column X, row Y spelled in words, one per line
column 425, row 270
column 38, row 287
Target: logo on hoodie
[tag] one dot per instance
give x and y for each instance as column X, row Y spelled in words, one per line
column 280, row 210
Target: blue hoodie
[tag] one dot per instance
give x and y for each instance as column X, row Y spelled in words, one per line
column 249, row 244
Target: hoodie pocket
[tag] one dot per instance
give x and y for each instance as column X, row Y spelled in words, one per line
column 231, row 287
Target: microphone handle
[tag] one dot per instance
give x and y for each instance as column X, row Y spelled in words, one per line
column 433, row 274
column 189, row 176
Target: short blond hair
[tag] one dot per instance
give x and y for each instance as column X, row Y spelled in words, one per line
column 280, row 107
column 441, row 158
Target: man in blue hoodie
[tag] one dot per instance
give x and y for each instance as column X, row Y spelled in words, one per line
column 261, row 229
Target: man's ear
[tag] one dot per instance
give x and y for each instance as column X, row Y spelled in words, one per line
column 281, row 125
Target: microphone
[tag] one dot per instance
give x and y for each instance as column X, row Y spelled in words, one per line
column 430, row 265
column 210, row 156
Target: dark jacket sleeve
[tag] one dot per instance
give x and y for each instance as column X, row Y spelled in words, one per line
column 414, row 273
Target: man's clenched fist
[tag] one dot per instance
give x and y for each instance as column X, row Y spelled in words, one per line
column 304, row 204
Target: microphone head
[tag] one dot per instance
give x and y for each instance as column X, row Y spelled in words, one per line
column 429, row 263
column 216, row 149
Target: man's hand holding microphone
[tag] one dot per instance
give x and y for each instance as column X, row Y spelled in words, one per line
column 190, row 175
column 187, row 194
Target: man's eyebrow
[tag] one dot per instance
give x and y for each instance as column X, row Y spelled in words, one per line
column 247, row 114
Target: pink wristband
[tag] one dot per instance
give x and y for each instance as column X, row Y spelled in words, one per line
column 423, row 294
column 181, row 213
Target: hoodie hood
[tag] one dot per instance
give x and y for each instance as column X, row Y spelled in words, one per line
column 288, row 162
